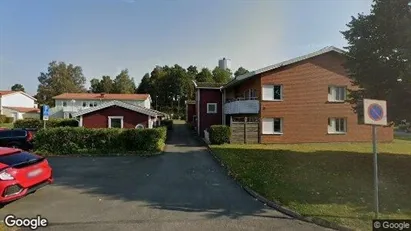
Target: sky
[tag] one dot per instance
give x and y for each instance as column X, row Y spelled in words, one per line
column 106, row 36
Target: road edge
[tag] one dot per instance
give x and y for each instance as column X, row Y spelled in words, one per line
column 274, row 204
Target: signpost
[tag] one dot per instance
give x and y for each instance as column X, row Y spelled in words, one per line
column 375, row 114
column 44, row 114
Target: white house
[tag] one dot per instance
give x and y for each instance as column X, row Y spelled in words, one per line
column 69, row 103
column 18, row 104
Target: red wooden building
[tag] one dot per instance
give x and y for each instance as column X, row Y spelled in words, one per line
column 117, row 114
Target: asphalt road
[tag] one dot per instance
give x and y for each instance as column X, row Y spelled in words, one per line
column 184, row 189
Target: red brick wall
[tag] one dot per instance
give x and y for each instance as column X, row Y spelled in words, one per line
column 99, row 119
column 191, row 111
column 206, row 120
column 305, row 110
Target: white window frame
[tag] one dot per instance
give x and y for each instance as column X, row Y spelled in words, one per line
column 116, row 117
column 250, row 94
column 211, row 112
column 64, row 104
column 332, row 125
column 268, row 92
column 270, row 122
column 334, row 93
column 140, row 125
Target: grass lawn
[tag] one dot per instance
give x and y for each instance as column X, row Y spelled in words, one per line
column 333, row 181
column 6, row 125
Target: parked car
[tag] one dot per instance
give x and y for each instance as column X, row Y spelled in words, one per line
column 17, row 138
column 22, row 173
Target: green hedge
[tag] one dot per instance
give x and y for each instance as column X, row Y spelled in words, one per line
column 52, row 123
column 168, row 124
column 5, row 119
column 219, row 134
column 79, row 140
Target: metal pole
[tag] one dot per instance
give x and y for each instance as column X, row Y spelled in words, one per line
column 375, row 152
column 44, row 124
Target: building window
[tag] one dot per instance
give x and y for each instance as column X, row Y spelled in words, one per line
column 64, row 104
column 250, row 94
column 211, row 108
column 115, row 121
column 140, row 126
column 337, row 125
column 337, row 94
column 272, row 92
column 91, row 104
column 272, row 126
column 84, row 104
column 95, row 104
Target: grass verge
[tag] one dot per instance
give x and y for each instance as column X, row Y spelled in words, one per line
column 6, row 125
column 330, row 181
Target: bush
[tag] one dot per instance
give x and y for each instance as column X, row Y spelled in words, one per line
column 219, row 134
column 38, row 124
column 168, row 124
column 79, row 140
column 5, row 119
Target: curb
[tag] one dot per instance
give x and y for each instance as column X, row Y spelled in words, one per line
column 273, row 204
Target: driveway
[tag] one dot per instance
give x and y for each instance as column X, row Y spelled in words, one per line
column 184, row 189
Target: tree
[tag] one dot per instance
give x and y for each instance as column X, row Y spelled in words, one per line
column 59, row 78
column 192, row 71
column 204, row 76
column 106, row 84
column 144, row 86
column 123, row 84
column 221, row 75
column 95, row 86
column 17, row 87
column 379, row 55
column 240, row 71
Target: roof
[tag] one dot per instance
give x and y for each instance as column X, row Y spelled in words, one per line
column 128, row 106
column 241, row 78
column 208, row 85
column 24, row 109
column 13, row 92
column 6, row 92
column 98, row 96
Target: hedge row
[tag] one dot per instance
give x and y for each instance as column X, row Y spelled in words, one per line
column 5, row 119
column 219, row 134
column 52, row 123
column 79, row 140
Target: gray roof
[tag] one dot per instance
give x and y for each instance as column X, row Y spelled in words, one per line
column 244, row 77
column 208, row 85
column 128, row 106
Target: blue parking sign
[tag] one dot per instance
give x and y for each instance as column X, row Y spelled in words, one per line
column 45, row 112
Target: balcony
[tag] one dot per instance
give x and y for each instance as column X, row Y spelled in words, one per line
column 242, row 106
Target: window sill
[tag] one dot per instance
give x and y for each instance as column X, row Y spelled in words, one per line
column 275, row 133
column 336, row 133
column 272, row 100
column 336, row 101
column 211, row 112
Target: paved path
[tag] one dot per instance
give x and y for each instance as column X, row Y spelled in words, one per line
column 181, row 190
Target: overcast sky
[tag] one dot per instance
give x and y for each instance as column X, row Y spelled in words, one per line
column 105, row 36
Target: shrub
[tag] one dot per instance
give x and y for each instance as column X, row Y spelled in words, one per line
column 9, row 120
column 219, row 134
column 2, row 119
column 79, row 140
column 168, row 124
column 52, row 123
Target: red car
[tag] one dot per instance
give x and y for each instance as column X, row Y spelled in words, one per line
column 22, row 173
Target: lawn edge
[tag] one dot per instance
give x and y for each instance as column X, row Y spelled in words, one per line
column 274, row 204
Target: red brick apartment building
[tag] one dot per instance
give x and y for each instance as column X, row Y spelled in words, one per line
column 301, row 100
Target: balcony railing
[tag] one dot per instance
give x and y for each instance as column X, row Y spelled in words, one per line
column 242, row 106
